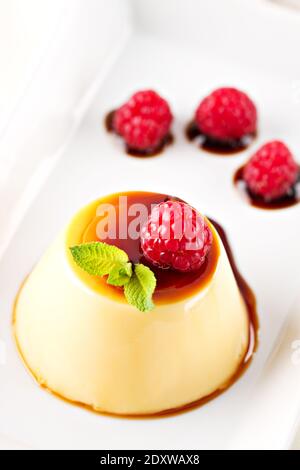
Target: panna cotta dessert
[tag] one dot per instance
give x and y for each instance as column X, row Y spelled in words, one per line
column 136, row 309
column 225, row 122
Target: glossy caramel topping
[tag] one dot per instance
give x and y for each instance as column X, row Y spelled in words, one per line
column 171, row 285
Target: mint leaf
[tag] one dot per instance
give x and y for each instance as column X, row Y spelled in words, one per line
column 119, row 276
column 100, row 259
column 139, row 290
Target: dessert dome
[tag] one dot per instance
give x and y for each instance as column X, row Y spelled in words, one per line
column 82, row 340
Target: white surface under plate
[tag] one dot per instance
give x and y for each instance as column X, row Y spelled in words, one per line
column 266, row 243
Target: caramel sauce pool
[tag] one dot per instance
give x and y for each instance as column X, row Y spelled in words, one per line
column 171, row 285
column 215, row 146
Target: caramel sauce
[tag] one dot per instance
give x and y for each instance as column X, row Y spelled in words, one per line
column 290, row 200
column 171, row 287
column 167, row 140
column 215, row 146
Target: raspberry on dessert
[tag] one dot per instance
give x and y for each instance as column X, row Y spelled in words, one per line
column 176, row 236
column 227, row 114
column 272, row 171
column 144, row 121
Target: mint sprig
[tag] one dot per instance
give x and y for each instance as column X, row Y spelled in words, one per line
column 102, row 259
column 139, row 290
column 120, row 275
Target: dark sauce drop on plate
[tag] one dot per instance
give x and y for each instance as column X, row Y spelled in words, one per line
column 290, row 200
column 168, row 140
column 215, row 146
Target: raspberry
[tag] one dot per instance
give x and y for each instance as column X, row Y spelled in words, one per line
column 227, row 114
column 271, row 172
column 144, row 121
column 176, row 236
